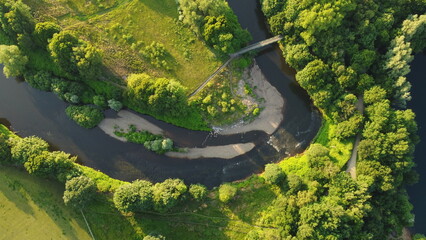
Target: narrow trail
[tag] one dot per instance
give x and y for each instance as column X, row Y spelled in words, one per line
column 351, row 165
column 211, row 77
column 234, row 55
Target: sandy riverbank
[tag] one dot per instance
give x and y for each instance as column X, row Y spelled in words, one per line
column 271, row 116
column 268, row 121
column 226, row 151
column 124, row 120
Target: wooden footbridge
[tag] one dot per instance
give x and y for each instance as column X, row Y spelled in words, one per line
column 249, row 48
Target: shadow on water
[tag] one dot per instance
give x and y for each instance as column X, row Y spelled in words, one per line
column 417, row 192
column 32, row 112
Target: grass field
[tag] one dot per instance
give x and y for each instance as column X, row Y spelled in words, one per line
column 123, row 28
column 32, row 208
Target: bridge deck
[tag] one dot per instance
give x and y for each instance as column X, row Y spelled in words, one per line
column 258, row 45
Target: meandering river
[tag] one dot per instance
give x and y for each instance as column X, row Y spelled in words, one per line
column 32, row 112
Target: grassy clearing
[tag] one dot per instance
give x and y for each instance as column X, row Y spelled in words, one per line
column 340, row 151
column 209, row 219
column 32, row 208
column 123, row 29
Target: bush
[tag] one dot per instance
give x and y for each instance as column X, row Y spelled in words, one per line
column 134, row 197
column 273, row 174
column 52, row 164
column 79, row 191
column 85, row 116
column 168, row 193
column 155, row 143
column 198, row 191
column 154, row 237
column 156, row 53
column 41, row 80
column 99, row 101
column 227, row 192
column 23, row 148
column 419, row 237
column 115, row 105
column 13, row 59
column 5, row 155
column 159, row 146
column 44, row 31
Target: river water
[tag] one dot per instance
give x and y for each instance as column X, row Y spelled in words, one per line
column 417, row 192
column 32, row 112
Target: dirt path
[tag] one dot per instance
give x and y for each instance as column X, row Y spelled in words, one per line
column 352, row 161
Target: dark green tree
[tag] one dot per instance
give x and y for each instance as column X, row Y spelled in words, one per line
column 79, row 192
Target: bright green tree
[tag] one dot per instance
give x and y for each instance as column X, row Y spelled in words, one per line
column 13, row 59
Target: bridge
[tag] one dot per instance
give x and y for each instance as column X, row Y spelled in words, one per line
column 257, row 45
column 236, row 54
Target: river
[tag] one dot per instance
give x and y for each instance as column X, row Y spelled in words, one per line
column 417, row 192
column 32, row 112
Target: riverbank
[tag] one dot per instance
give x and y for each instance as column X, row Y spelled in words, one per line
column 124, row 120
column 270, row 117
column 225, row 151
column 268, row 120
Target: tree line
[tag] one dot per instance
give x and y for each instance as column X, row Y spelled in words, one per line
column 343, row 51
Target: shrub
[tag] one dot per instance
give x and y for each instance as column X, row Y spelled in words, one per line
column 115, row 105
column 79, row 191
column 5, row 155
column 273, row 174
column 44, row 31
column 85, row 116
column 23, row 148
column 154, row 237
column 52, row 164
column 134, row 197
column 295, row 184
column 156, row 53
column 41, row 80
column 227, row 192
column 13, row 59
column 126, row 198
column 419, row 237
column 168, row 193
column 155, row 143
column 159, row 95
column 198, row 191
column 99, row 101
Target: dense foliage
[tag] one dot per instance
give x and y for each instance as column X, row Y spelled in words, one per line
column 163, row 98
column 85, row 116
column 152, row 142
column 76, row 58
column 13, row 60
column 348, row 54
column 143, row 196
column 216, row 23
column 227, row 192
column 55, row 164
column 198, row 191
column 79, row 191
column 5, row 154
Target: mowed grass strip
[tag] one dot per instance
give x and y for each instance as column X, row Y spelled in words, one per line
column 32, row 208
column 122, row 29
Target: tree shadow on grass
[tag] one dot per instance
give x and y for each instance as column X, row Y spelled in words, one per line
column 165, row 7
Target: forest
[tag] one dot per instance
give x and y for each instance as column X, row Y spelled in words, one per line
column 352, row 58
